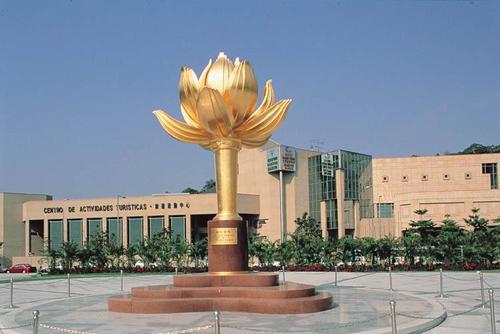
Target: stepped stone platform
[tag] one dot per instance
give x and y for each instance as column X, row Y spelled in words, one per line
column 241, row 292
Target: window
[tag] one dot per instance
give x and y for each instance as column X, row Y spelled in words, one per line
column 468, row 176
column 425, row 177
column 385, row 178
column 155, row 225
column 115, row 230
column 404, row 178
column 385, row 210
column 94, row 227
column 446, row 177
column 178, row 227
column 55, row 233
column 75, row 231
column 491, row 168
column 134, row 230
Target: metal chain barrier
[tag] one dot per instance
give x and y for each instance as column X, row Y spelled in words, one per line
column 15, row 327
column 321, row 329
column 64, row 330
column 413, row 276
column 189, row 330
column 460, row 279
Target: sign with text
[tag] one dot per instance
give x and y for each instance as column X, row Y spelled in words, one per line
column 281, row 158
column 224, row 236
column 327, row 164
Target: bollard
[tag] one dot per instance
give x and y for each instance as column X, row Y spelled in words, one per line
column 283, row 269
column 217, row 322
column 11, row 305
column 392, row 305
column 441, row 294
column 36, row 315
column 390, row 279
column 69, row 286
column 481, row 282
column 335, row 275
column 492, row 312
column 121, row 279
column 176, row 270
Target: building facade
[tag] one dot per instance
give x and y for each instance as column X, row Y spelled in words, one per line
column 443, row 185
column 35, row 223
column 349, row 193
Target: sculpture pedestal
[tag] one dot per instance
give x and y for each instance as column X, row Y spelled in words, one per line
column 228, row 286
column 227, row 247
column 250, row 292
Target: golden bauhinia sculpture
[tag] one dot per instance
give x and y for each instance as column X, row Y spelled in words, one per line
column 219, row 110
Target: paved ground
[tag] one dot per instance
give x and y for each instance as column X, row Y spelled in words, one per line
column 361, row 306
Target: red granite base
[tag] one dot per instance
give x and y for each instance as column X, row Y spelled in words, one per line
column 255, row 293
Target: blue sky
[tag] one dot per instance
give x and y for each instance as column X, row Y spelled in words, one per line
column 78, row 81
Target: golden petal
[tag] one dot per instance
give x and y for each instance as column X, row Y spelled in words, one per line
column 267, row 100
column 261, row 127
column 242, row 91
column 188, row 94
column 181, row 131
column 213, row 113
column 202, row 82
column 190, row 120
column 254, row 143
column 219, row 72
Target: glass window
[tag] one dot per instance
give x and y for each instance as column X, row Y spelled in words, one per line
column 94, row 226
column 385, row 210
column 491, row 168
column 55, row 233
column 155, row 225
column 75, row 231
column 134, row 230
column 115, row 230
column 178, row 227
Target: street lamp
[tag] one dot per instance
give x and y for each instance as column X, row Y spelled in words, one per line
column 118, row 215
column 379, row 218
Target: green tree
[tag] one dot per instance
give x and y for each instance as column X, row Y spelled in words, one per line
column 209, row 187
column 165, row 250
column 388, row 248
column 369, row 248
column 179, row 251
column 411, row 242
column 51, row 255
column 486, row 238
column 99, row 249
column 190, row 190
column 448, row 242
column 285, row 252
column 428, row 233
column 349, row 249
column 147, row 251
column 263, row 249
column 308, row 240
column 69, row 254
column 198, row 251
column 130, row 254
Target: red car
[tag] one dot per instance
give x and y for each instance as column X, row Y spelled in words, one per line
column 20, row 268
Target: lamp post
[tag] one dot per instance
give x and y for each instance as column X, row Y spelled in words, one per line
column 379, row 218
column 118, row 216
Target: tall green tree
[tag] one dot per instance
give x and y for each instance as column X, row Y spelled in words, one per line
column 486, row 237
column 308, row 240
column 448, row 242
column 69, row 254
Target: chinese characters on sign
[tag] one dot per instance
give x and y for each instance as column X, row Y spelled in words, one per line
column 281, row 158
column 224, row 236
column 327, row 164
